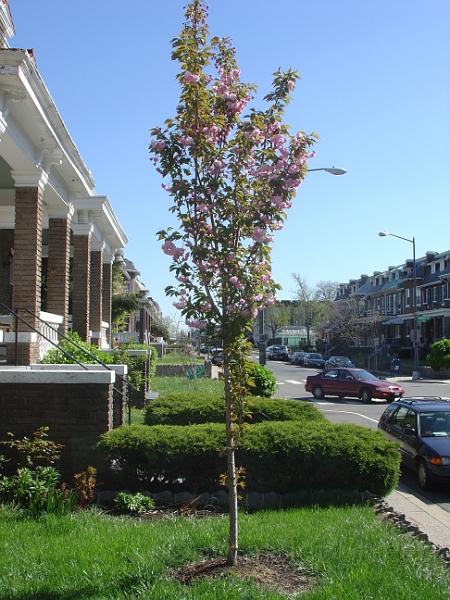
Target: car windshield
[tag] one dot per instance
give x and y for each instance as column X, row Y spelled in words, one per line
column 315, row 356
column 434, row 423
column 364, row 376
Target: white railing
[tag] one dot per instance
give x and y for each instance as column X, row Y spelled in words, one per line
column 50, row 321
column 104, row 339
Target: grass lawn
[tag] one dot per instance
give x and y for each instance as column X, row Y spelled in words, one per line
column 93, row 556
column 183, row 384
column 180, row 358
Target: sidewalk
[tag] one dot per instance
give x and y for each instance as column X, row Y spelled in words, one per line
column 432, row 520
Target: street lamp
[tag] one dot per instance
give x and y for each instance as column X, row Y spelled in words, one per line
column 332, row 170
column 416, row 373
column 262, row 341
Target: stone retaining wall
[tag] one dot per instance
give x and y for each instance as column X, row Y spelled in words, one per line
column 76, row 405
column 430, row 373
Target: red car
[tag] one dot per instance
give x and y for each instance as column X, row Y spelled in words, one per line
column 354, row 383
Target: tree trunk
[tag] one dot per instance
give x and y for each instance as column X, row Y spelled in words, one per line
column 231, row 467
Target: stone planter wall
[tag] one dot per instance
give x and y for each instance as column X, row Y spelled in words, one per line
column 76, row 405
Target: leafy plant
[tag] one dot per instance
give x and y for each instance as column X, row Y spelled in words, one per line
column 85, row 485
column 134, row 503
column 261, row 381
column 82, row 352
column 439, row 356
column 34, row 485
column 37, row 450
column 36, row 490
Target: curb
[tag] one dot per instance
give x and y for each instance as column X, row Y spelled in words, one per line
column 383, row 510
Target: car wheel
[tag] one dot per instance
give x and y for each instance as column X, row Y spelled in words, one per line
column 366, row 395
column 424, row 478
column 318, row 392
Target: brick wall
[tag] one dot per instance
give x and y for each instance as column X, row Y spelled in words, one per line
column 27, row 263
column 107, row 296
column 81, row 270
column 58, row 269
column 76, row 406
column 6, row 244
column 95, row 302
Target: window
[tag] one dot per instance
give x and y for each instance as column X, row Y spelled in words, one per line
column 410, row 420
column 331, row 374
column 399, row 417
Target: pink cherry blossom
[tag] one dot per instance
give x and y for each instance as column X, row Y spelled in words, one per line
column 179, row 305
column 190, row 77
column 259, row 234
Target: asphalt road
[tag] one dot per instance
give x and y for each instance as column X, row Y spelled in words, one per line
column 291, row 380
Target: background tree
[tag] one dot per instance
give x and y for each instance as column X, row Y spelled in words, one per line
column 276, row 316
column 308, row 307
column 232, row 177
column 122, row 302
column 326, row 291
column 344, row 326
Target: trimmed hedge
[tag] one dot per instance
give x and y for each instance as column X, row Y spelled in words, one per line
column 278, row 457
column 189, row 408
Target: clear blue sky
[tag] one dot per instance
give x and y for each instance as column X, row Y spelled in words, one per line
column 375, row 86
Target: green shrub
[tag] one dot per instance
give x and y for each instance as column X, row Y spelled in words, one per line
column 187, row 408
column 139, row 374
column 262, row 382
column 439, row 355
column 134, row 503
column 33, row 484
column 277, row 456
column 166, row 456
column 81, row 352
column 152, row 351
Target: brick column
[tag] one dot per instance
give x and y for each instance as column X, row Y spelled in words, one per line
column 6, row 266
column 96, row 292
column 58, row 267
column 28, row 262
column 82, row 233
column 107, row 293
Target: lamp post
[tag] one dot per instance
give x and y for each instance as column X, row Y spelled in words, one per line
column 262, row 340
column 415, row 337
column 332, row 170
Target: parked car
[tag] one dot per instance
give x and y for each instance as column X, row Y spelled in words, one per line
column 217, row 358
column 278, row 353
column 422, row 426
column 298, row 358
column 338, row 361
column 353, row 383
column 314, row 359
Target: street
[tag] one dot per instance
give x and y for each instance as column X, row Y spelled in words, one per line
column 291, row 380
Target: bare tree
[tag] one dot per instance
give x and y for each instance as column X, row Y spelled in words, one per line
column 308, row 306
column 327, row 290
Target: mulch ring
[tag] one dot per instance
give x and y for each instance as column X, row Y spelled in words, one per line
column 275, row 573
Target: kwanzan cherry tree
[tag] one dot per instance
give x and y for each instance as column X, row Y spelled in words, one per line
column 231, row 179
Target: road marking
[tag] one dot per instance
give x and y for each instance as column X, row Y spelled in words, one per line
column 348, row 412
column 319, row 402
column 294, row 381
